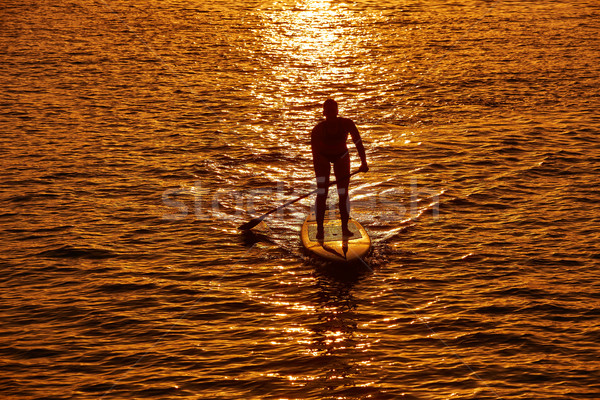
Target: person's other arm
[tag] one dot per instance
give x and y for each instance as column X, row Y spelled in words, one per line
column 314, row 146
column 359, row 147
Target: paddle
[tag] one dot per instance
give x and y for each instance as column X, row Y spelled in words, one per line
column 255, row 221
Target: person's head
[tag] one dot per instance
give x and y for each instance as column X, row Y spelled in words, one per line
column 330, row 108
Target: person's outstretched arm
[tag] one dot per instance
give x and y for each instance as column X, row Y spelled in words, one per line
column 359, row 147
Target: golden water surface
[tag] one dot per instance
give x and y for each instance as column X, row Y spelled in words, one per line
column 136, row 136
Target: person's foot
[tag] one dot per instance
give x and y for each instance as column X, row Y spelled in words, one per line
column 347, row 233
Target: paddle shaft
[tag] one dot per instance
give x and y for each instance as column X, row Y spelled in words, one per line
column 255, row 221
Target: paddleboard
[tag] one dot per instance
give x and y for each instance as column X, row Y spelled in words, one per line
column 334, row 247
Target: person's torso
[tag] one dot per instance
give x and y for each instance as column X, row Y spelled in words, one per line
column 333, row 135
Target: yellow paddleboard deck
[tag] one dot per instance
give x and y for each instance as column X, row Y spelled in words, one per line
column 333, row 246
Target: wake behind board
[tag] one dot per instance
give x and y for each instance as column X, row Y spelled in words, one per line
column 334, row 247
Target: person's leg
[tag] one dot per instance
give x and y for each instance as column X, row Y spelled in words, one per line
column 341, row 168
column 322, row 171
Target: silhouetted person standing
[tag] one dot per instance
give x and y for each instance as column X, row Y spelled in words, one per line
column 328, row 143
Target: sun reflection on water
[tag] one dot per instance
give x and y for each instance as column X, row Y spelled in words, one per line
column 315, row 42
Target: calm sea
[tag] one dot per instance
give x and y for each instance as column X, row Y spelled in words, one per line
column 136, row 136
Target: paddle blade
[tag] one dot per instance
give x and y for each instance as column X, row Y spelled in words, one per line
column 250, row 224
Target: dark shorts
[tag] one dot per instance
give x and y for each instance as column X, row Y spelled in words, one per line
column 332, row 158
